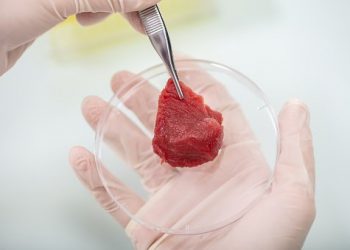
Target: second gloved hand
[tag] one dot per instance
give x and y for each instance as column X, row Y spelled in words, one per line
column 21, row 22
column 281, row 219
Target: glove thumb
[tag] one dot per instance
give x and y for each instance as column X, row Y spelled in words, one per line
column 294, row 162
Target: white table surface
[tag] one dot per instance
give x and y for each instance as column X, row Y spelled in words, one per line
column 290, row 48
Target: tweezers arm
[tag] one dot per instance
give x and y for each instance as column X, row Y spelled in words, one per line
column 158, row 35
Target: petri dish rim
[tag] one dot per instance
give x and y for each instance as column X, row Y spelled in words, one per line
column 156, row 71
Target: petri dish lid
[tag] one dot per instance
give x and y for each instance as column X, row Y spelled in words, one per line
column 189, row 200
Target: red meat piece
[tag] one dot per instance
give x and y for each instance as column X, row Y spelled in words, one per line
column 187, row 132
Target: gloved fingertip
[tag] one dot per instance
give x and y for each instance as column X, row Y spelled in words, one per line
column 119, row 78
column 79, row 158
column 91, row 100
column 92, row 108
column 135, row 21
column 297, row 102
column 293, row 117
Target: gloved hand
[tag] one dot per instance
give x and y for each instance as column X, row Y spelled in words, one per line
column 281, row 219
column 21, row 22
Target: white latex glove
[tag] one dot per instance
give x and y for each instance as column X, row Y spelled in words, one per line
column 280, row 220
column 22, row 21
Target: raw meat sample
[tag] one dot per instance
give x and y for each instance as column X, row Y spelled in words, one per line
column 187, row 132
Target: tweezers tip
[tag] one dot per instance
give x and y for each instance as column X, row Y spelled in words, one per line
column 178, row 87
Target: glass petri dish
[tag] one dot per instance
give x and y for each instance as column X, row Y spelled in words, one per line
column 189, row 200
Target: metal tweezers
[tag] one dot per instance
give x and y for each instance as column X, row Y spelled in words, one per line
column 155, row 28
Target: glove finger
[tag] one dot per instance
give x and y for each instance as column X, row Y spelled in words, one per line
column 133, row 146
column 135, row 21
column 88, row 18
column 144, row 101
column 291, row 168
column 65, row 8
column 83, row 163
